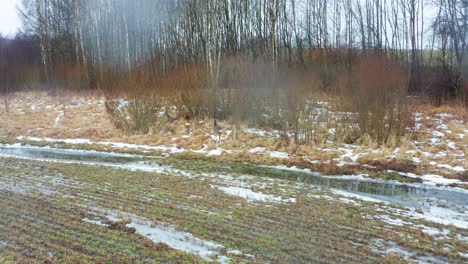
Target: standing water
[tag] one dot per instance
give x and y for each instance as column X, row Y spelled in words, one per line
column 412, row 195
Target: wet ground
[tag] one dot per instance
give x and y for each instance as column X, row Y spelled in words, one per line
column 270, row 215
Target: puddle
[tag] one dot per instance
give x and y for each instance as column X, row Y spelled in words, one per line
column 411, row 195
column 115, row 160
column 67, row 155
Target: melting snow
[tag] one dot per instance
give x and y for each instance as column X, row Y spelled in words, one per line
column 215, row 152
column 117, row 145
column 357, row 196
column 434, row 231
column 393, row 221
column 58, row 118
column 451, row 145
column 167, row 234
column 432, row 179
column 379, row 246
column 258, row 150
column 349, row 154
column 279, row 155
column 94, row 222
column 261, row 133
column 445, row 115
column 442, row 216
column 250, row 195
column 437, row 134
column 454, row 168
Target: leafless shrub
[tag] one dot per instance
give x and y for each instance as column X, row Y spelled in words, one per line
column 377, row 88
column 142, row 113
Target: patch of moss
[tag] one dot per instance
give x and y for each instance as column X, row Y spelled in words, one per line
column 7, row 140
column 394, row 176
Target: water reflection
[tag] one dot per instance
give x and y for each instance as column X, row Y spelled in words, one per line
column 389, row 191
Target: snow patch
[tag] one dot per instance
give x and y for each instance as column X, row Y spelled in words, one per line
column 94, row 222
column 117, row 145
column 434, row 232
column 215, row 152
column 167, row 234
column 454, row 168
column 279, row 155
column 434, row 180
column 250, row 195
column 357, row 196
column 438, row 134
column 58, row 118
column 393, row 221
column 257, row 150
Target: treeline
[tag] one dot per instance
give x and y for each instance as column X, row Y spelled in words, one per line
column 19, row 65
column 255, row 59
column 158, row 36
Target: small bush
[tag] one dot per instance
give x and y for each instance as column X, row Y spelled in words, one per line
column 377, row 88
column 139, row 114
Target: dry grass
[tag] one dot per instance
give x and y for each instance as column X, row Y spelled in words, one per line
column 85, row 117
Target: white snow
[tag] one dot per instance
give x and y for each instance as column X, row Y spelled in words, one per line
column 93, row 221
column 451, row 144
column 122, row 104
column 118, row 145
column 175, row 239
column 279, row 155
column 435, row 232
column 357, row 196
column 442, row 126
column 438, row 134
column 443, row 216
column 330, row 198
column 380, row 246
column 454, row 168
column 58, row 118
column 393, row 221
column 445, row 115
column 349, row 154
column 215, row 152
column 250, row 195
column 262, row 133
column 432, row 179
column 257, row 150
column 167, row 234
